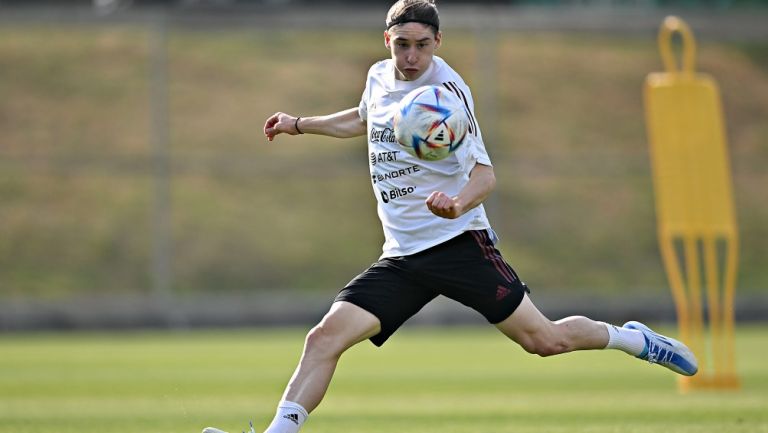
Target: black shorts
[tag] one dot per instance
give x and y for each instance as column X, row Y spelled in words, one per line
column 467, row 268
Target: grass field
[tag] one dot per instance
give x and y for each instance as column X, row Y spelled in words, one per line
column 424, row 380
column 562, row 114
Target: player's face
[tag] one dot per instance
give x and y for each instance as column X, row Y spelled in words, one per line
column 412, row 46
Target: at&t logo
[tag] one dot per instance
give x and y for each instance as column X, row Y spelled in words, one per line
column 383, row 157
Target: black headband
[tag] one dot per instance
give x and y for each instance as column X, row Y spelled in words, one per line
column 435, row 24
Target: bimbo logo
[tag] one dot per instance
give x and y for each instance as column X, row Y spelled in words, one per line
column 387, row 196
column 386, row 135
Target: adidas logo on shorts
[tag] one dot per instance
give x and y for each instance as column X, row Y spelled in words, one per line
column 502, row 292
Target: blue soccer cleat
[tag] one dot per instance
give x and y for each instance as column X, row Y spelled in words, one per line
column 666, row 351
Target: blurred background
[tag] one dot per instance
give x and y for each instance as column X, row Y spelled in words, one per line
column 137, row 189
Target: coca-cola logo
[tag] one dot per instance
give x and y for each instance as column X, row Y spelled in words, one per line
column 386, row 135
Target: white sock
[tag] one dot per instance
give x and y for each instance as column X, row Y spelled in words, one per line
column 630, row 341
column 289, row 418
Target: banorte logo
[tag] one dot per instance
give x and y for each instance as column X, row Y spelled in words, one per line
column 394, row 174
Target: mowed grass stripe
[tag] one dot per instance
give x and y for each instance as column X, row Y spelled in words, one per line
column 423, row 380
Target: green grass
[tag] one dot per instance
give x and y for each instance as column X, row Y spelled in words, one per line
column 562, row 114
column 424, row 380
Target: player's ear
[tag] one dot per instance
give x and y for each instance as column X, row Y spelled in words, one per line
column 438, row 39
column 386, row 38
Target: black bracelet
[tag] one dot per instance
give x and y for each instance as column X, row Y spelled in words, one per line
column 296, row 125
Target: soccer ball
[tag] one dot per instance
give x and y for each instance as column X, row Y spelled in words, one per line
column 431, row 123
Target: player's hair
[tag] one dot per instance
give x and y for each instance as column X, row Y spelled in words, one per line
column 414, row 11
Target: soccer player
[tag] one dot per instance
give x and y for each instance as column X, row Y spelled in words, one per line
column 438, row 240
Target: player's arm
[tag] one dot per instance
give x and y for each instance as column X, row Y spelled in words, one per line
column 344, row 124
column 481, row 182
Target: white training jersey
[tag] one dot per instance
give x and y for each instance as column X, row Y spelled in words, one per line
column 401, row 182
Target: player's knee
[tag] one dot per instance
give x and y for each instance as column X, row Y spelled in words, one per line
column 543, row 346
column 323, row 342
column 550, row 349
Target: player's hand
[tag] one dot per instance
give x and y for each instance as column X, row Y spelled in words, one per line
column 443, row 205
column 279, row 123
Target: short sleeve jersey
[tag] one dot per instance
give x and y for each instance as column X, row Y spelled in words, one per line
column 401, row 182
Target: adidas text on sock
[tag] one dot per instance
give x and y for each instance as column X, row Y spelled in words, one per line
column 289, row 418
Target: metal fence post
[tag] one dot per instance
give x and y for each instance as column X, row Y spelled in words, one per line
column 161, row 271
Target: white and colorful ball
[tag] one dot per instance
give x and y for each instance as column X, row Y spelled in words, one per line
column 431, row 123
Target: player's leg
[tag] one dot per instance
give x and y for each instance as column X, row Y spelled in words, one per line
column 373, row 305
column 473, row 272
column 537, row 334
column 488, row 284
column 343, row 326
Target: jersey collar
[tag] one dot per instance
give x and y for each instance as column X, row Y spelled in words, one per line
column 396, row 84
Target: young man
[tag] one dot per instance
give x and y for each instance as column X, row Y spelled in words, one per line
column 438, row 240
